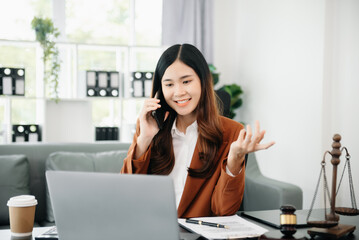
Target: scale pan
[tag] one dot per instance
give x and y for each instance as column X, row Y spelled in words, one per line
column 322, row 224
column 347, row 211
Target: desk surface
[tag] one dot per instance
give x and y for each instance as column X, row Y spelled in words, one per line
column 302, row 232
column 273, row 232
column 6, row 234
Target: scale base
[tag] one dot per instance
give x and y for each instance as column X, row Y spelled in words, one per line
column 333, row 232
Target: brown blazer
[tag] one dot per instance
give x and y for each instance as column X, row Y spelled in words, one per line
column 217, row 195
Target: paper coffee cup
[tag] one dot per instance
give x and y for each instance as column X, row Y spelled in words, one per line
column 22, row 214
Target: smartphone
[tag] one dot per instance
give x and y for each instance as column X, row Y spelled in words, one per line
column 159, row 113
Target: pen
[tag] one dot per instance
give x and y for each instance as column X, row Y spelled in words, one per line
column 199, row 222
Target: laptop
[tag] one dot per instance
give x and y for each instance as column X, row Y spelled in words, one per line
column 96, row 206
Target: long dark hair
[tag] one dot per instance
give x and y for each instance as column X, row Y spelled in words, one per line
column 208, row 121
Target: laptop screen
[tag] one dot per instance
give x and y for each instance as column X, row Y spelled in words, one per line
column 108, row 206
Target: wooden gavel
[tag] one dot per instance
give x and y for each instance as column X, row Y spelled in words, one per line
column 288, row 220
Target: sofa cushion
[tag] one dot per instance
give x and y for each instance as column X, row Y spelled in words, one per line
column 110, row 161
column 14, row 180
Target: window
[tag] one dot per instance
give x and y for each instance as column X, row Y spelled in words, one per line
column 16, row 17
column 96, row 59
column 23, row 111
column 111, row 35
column 110, row 22
column 105, row 22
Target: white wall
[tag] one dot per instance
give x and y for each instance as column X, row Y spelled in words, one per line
column 296, row 79
column 341, row 83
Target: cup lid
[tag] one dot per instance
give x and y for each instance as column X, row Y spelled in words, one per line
column 22, row 201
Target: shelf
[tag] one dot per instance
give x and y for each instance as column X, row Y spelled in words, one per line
column 121, row 111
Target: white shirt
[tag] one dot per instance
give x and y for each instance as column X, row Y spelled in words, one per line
column 183, row 148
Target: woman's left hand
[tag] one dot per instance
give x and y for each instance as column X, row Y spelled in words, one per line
column 245, row 144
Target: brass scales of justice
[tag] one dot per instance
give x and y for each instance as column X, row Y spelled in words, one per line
column 330, row 227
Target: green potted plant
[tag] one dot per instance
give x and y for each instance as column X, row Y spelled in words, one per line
column 46, row 34
column 234, row 90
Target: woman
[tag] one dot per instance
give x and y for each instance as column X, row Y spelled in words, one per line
column 202, row 151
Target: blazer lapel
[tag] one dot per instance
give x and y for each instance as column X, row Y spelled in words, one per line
column 194, row 185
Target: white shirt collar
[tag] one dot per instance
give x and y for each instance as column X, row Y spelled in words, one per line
column 193, row 128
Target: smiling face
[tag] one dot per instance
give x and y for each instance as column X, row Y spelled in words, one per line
column 181, row 88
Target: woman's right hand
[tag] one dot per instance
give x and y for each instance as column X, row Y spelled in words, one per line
column 148, row 125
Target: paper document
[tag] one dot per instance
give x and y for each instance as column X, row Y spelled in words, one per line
column 238, row 227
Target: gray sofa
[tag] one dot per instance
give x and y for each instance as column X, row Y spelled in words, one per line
column 22, row 171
